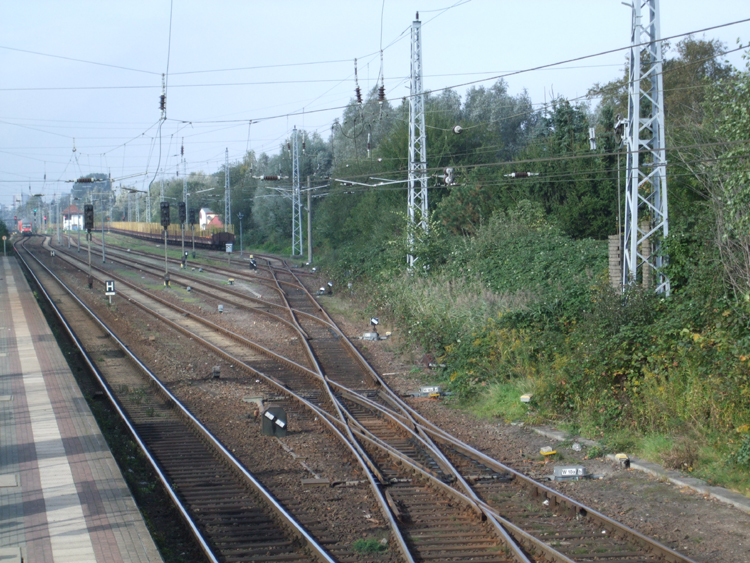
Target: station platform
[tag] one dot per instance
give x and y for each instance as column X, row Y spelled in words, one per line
column 62, row 496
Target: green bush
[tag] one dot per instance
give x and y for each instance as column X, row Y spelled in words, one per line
column 369, row 546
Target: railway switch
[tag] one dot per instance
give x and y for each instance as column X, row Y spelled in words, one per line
column 274, row 422
column 231, row 281
column 221, row 308
column 166, row 280
column 216, row 373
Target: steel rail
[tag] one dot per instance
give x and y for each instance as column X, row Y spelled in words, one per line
column 115, row 403
column 299, row 530
column 469, row 497
column 355, row 353
column 423, row 425
column 472, row 498
column 367, row 465
column 243, row 274
column 120, row 255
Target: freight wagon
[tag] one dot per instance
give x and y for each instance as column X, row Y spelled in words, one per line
column 210, row 239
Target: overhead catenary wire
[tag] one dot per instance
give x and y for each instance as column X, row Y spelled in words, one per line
column 526, row 70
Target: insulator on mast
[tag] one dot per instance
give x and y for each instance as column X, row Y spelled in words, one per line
column 163, row 97
column 368, row 145
column 521, row 174
column 357, row 89
column 304, row 137
column 381, row 90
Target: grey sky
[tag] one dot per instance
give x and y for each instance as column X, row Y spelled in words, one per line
column 43, row 110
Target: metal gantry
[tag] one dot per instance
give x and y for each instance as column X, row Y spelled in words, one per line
column 227, row 191
column 417, row 206
column 296, row 199
column 646, row 216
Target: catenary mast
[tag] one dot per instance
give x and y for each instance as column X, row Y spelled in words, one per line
column 296, row 199
column 646, row 215
column 417, row 207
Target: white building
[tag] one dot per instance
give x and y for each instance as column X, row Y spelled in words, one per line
column 205, row 217
column 72, row 218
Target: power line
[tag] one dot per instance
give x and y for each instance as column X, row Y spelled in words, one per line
column 77, row 60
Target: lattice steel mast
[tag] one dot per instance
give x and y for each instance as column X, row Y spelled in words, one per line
column 646, row 216
column 417, row 206
column 184, row 176
column 227, row 191
column 296, row 199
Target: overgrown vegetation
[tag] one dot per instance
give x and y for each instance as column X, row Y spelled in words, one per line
column 512, row 294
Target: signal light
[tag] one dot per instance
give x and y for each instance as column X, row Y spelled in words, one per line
column 165, row 214
column 181, row 211
column 192, row 216
column 88, row 217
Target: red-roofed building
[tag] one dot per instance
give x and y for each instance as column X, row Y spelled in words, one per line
column 215, row 223
column 72, row 218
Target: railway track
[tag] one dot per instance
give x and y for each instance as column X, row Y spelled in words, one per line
column 445, row 501
column 232, row 516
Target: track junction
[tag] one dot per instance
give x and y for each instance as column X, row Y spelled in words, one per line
column 428, row 495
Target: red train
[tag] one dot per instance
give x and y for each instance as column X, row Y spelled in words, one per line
column 24, row 227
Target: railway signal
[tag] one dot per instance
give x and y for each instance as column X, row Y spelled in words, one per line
column 192, row 229
column 88, row 220
column 181, row 211
column 164, row 207
column 88, row 217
